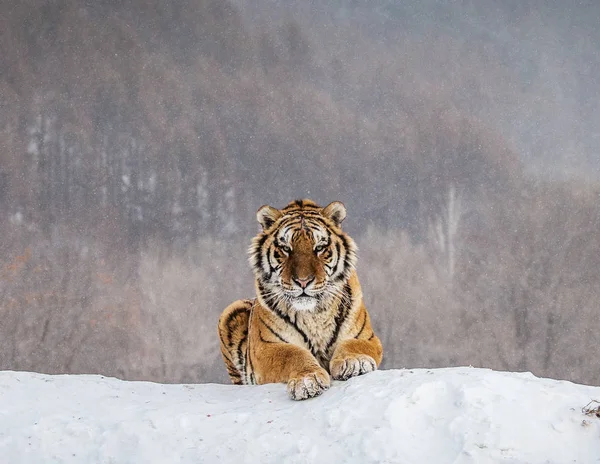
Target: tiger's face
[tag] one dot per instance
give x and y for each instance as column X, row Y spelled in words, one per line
column 302, row 257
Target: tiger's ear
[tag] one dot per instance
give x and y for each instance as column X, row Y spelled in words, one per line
column 267, row 215
column 336, row 211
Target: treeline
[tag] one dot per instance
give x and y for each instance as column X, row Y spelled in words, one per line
column 138, row 138
column 176, row 121
column 518, row 293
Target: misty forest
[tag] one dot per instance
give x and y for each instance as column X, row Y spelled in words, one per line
column 138, row 138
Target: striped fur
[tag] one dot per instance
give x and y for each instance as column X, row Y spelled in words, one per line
column 308, row 321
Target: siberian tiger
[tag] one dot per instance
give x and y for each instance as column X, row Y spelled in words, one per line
column 308, row 319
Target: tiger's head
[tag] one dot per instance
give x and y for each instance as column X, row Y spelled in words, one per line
column 302, row 257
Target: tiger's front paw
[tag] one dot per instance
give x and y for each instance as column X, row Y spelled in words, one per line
column 343, row 369
column 308, row 385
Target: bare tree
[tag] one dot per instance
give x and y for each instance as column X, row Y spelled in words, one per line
column 443, row 234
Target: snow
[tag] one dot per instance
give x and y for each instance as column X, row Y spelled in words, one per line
column 454, row 415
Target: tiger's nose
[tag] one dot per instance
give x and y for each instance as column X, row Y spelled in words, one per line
column 304, row 282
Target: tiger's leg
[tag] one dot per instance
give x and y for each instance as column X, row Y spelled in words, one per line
column 274, row 360
column 291, row 364
column 357, row 356
column 233, row 334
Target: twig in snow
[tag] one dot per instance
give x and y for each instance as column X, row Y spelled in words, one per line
column 592, row 409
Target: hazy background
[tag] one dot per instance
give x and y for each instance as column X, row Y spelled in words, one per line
column 139, row 137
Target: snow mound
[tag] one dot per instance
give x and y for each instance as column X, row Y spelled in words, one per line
column 455, row 415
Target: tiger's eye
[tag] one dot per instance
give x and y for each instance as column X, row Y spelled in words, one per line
column 286, row 249
column 319, row 248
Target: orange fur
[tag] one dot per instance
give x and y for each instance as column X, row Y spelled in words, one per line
column 309, row 320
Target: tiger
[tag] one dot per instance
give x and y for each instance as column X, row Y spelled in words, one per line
column 308, row 323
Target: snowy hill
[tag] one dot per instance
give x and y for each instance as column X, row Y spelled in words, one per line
column 455, row 415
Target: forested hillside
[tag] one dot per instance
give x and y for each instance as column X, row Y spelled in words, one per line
column 139, row 137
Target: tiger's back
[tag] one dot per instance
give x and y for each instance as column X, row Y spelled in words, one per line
column 233, row 336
